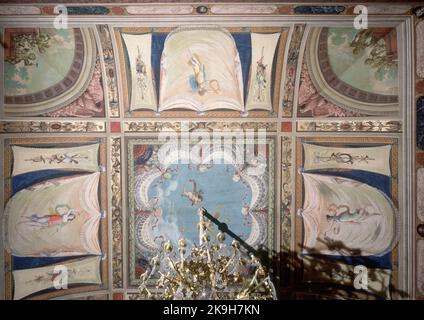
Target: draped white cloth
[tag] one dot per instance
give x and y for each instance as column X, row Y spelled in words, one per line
column 82, row 271
column 28, row 159
column 340, row 273
column 58, row 217
column 345, row 217
column 201, row 70
column 372, row 159
column 138, row 47
column 263, row 51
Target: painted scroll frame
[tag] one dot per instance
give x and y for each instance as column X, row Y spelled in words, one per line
column 299, row 194
column 60, row 141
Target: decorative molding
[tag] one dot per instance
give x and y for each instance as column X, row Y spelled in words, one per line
column 420, row 123
column 133, row 296
column 291, row 68
column 160, row 9
column 116, row 207
column 420, row 194
column 419, row 32
column 58, row 126
column 350, row 126
column 84, row 10
column 286, row 193
column 420, row 266
column 388, row 8
column 143, row 126
column 85, row 296
column 244, row 9
column 110, row 70
column 12, row 10
column 152, row 126
column 237, row 8
column 319, row 9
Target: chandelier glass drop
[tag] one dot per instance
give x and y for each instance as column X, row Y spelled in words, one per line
column 209, row 271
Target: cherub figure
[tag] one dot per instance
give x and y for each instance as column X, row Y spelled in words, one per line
column 198, row 81
column 62, row 214
column 195, row 196
column 342, row 213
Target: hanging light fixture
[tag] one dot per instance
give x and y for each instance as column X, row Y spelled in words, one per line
column 209, row 271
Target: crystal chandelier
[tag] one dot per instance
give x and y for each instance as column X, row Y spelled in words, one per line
column 209, row 271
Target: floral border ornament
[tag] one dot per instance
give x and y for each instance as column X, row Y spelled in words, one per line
column 149, row 126
column 286, row 192
column 116, row 207
column 110, row 70
column 51, row 126
column 350, row 126
column 291, row 70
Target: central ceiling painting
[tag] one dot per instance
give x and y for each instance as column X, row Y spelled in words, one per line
column 201, row 69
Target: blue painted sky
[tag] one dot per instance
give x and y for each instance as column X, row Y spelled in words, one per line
column 220, row 194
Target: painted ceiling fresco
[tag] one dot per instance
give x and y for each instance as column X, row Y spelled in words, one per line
column 323, row 112
column 164, row 197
